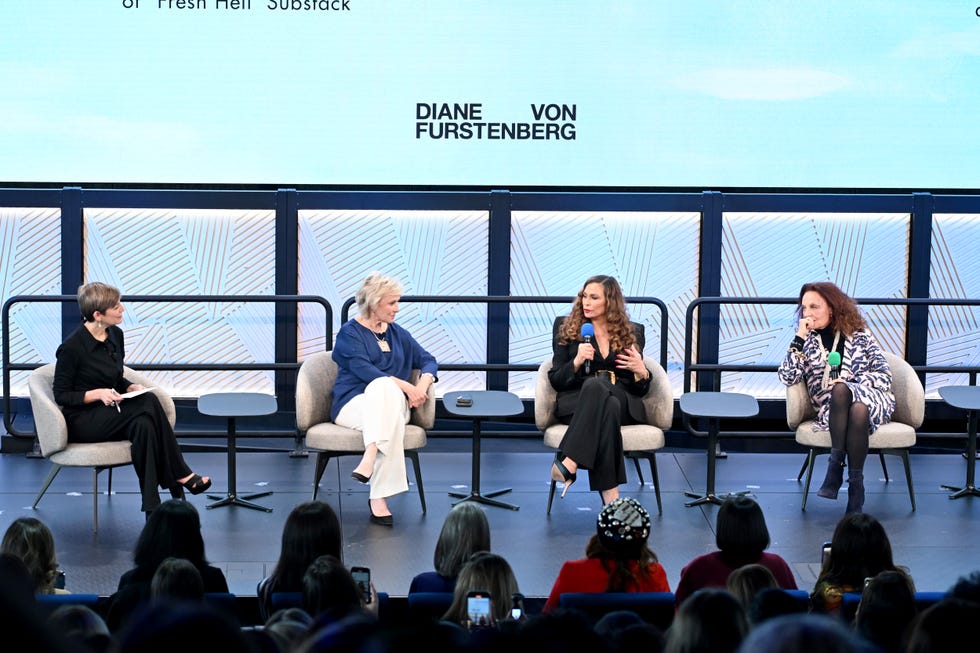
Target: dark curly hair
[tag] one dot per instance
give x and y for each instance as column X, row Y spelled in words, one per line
column 621, row 336
column 845, row 316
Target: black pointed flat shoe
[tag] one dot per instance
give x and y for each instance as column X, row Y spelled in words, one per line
column 380, row 520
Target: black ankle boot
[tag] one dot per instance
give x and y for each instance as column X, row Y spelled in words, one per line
column 855, row 492
column 835, row 475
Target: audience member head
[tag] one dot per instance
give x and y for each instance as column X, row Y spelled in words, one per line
column 621, row 539
column 164, row 627
column 488, row 572
column 803, row 633
column 351, row 634
column 15, row 579
column 328, row 587
column 944, row 626
column 741, row 533
column 771, row 603
column 562, row 631
column 31, row 540
column 82, row 627
column 887, row 607
column 622, row 528
column 465, row 531
column 967, row 587
column 624, row 630
column 177, row 578
column 710, row 620
column 288, row 627
column 859, row 549
column 747, row 581
column 312, row 529
column 20, row 619
column 172, row 530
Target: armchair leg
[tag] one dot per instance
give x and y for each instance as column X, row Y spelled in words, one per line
column 321, row 464
column 95, row 498
column 656, row 481
column 636, row 463
column 884, row 468
column 414, row 455
column 551, row 496
column 811, row 458
column 806, row 461
column 904, row 453
column 55, row 468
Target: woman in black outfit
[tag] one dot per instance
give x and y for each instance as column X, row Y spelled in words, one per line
column 600, row 384
column 88, row 384
column 173, row 531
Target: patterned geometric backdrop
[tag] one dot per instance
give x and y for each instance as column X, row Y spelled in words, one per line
column 148, row 252
column 161, row 251
column 954, row 331
column 30, row 264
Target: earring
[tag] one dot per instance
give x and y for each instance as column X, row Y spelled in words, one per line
column 99, row 324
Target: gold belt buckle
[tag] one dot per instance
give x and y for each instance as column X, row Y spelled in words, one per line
column 608, row 374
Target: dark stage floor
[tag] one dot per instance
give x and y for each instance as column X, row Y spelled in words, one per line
column 937, row 542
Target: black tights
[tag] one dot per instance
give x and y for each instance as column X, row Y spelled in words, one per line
column 850, row 426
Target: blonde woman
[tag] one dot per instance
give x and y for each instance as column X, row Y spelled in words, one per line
column 372, row 393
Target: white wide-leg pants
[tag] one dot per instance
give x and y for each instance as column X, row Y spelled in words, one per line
column 381, row 413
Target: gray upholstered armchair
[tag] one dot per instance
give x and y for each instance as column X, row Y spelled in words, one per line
column 52, row 434
column 639, row 440
column 314, row 388
column 895, row 437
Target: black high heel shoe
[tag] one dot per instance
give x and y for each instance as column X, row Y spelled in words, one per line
column 560, row 474
column 381, row 520
column 195, row 484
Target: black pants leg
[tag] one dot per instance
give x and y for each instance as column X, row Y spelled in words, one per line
column 593, row 439
column 141, row 420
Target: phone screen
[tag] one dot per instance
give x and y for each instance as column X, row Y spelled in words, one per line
column 362, row 576
column 517, row 609
column 478, row 609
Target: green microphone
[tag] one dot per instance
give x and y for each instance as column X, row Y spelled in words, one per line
column 833, row 359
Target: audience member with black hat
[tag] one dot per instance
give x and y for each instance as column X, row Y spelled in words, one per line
column 617, row 557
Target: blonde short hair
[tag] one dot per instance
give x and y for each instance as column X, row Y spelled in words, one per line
column 373, row 289
column 96, row 296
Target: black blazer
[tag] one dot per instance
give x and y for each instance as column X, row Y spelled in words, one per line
column 568, row 382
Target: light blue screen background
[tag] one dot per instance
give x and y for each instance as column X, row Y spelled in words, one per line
column 837, row 93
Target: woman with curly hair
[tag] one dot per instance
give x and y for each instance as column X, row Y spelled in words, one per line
column 847, row 377
column 600, row 377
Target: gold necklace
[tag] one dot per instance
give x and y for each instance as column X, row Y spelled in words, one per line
column 382, row 339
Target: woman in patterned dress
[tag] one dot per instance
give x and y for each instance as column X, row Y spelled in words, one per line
column 852, row 398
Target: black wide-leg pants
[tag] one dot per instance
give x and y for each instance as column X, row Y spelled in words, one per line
column 594, row 439
column 141, row 420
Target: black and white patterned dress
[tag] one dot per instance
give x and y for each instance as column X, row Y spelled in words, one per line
column 863, row 366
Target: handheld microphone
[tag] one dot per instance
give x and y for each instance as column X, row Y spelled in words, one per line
column 587, row 332
column 833, row 359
